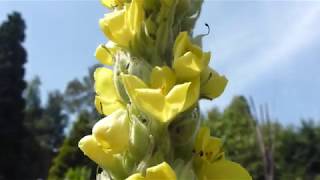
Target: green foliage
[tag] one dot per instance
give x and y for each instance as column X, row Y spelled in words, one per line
column 79, row 94
column 12, row 132
column 79, row 173
column 295, row 149
column 300, row 157
column 70, row 155
column 234, row 127
column 53, row 121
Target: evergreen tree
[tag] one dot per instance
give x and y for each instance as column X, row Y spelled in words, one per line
column 12, row 59
column 53, row 122
column 70, row 155
column 34, row 110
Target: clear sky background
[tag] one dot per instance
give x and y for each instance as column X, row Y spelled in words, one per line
column 268, row 50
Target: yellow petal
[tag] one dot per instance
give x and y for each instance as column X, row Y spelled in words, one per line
column 213, row 149
column 176, row 100
column 162, row 78
column 224, row 170
column 90, row 148
column 131, row 83
column 151, row 102
column 187, row 66
column 114, row 27
column 112, row 132
column 112, row 3
column 193, row 93
column 214, row 84
column 202, row 139
column 105, row 53
column 136, row 176
column 180, row 45
column 161, row 171
column 105, row 106
column 135, row 15
column 104, row 85
column 107, row 99
column 189, row 60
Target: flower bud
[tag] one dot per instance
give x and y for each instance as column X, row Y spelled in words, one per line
column 112, row 132
column 139, row 144
column 121, row 65
column 140, row 68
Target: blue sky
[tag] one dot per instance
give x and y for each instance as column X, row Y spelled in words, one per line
column 268, row 50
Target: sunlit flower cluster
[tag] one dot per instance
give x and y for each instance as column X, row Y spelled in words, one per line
column 151, row 128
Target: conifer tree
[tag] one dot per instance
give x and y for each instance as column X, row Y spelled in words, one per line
column 12, row 59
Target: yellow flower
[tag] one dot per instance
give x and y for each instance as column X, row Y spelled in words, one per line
column 121, row 25
column 223, row 170
column 189, row 60
column 214, row 84
column 207, row 147
column 107, row 100
column 164, row 99
column 112, row 132
column 161, row 171
column 105, row 53
column 90, row 148
column 209, row 160
column 112, row 3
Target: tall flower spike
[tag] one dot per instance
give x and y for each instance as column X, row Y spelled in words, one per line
column 151, row 97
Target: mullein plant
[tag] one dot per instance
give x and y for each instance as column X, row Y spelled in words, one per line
column 150, row 100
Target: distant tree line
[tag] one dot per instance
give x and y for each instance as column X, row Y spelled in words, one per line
column 295, row 151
